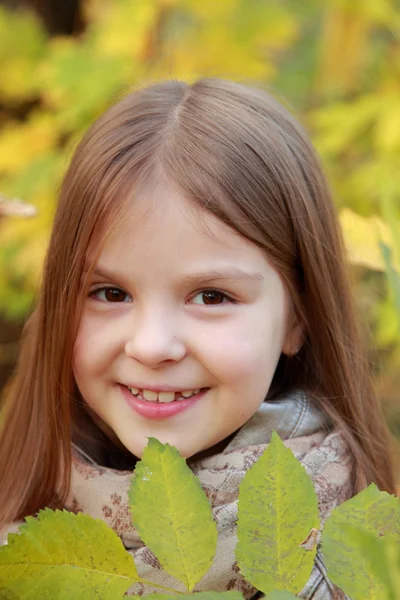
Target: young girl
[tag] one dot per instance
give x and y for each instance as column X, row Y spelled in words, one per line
column 194, row 291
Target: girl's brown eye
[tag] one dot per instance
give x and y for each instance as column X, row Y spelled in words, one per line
column 110, row 294
column 213, row 297
column 114, row 295
column 210, row 297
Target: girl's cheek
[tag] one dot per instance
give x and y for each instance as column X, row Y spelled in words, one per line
column 240, row 353
column 96, row 328
column 96, row 343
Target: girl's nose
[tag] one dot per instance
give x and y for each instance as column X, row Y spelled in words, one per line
column 155, row 340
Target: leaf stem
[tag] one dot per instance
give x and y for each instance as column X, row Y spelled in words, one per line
column 158, row 585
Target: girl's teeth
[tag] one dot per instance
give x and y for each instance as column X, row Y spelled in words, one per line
column 149, row 395
column 163, row 397
column 166, row 396
column 188, row 393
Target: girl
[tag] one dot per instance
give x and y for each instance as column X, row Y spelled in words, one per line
column 195, row 291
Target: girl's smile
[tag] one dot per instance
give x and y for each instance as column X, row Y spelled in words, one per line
column 182, row 329
column 161, row 405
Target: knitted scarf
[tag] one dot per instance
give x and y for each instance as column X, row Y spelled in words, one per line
column 103, row 492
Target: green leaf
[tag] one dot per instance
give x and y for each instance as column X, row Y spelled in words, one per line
column 62, row 555
column 278, row 510
column 280, row 595
column 390, row 574
column 171, row 513
column 392, row 275
column 198, row 596
column 23, row 45
column 390, row 212
column 378, row 514
column 377, row 553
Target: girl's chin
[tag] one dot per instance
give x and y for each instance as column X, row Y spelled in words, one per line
column 187, row 450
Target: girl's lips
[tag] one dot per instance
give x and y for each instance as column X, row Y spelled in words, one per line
column 158, row 410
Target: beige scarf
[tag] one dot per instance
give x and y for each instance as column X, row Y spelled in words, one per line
column 103, row 492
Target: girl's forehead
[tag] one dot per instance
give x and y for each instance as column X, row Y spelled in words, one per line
column 162, row 209
column 161, row 225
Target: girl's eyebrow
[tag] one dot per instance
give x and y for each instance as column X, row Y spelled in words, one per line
column 226, row 274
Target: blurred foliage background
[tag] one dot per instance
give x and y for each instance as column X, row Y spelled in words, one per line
column 334, row 63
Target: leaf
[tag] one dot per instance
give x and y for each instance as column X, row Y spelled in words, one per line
column 123, row 28
column 62, row 555
column 199, row 596
column 390, row 575
column 376, row 553
column 375, row 512
column 362, row 236
column 339, row 125
column 23, row 44
column 280, row 595
column 171, row 513
column 79, row 82
column 389, row 209
column 342, row 47
column 387, row 129
column 392, row 275
column 21, row 143
column 278, row 509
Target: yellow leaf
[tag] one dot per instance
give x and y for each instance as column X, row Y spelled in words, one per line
column 387, row 131
column 362, row 236
column 30, row 237
column 343, row 47
column 338, row 126
column 22, row 142
column 125, row 27
column 210, row 9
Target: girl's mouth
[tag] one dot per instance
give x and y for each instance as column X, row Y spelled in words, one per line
column 161, row 405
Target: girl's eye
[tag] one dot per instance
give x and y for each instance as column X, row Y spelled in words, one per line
column 211, row 297
column 110, row 294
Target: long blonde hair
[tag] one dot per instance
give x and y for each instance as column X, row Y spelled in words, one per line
column 236, row 152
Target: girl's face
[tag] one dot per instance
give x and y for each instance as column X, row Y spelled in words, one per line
column 182, row 329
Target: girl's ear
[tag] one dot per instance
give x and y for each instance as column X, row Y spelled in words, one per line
column 294, row 338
